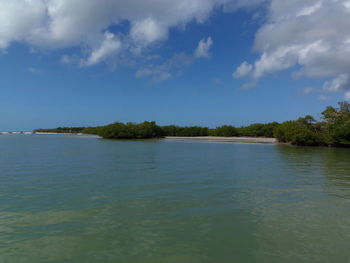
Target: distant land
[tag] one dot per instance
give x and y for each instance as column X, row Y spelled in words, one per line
column 17, row 132
column 332, row 130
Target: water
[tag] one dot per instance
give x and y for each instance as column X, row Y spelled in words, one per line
column 83, row 199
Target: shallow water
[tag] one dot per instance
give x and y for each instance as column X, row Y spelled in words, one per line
column 67, row 198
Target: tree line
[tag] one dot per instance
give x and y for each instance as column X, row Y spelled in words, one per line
column 332, row 130
column 62, row 130
column 148, row 129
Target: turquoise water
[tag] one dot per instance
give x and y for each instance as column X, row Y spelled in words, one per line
column 70, row 199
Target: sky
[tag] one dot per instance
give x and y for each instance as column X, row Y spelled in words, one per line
column 185, row 62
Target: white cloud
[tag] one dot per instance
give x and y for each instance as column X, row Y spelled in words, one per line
column 203, row 48
column 337, row 84
column 174, row 65
column 308, row 10
column 111, row 45
column 347, row 96
column 248, row 4
column 310, row 35
column 243, row 70
column 148, row 31
column 18, row 18
column 57, row 24
column 66, row 59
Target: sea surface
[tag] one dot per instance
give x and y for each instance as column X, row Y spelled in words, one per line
column 67, row 198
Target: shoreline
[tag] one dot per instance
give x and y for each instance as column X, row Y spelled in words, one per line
column 225, row 139
column 261, row 140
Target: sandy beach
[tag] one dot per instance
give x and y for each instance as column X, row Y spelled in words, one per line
column 226, row 139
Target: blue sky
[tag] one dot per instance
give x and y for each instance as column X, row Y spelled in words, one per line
column 139, row 68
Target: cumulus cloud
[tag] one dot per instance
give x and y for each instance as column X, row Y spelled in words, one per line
column 111, row 45
column 237, row 4
column 203, row 49
column 176, row 64
column 243, row 70
column 310, row 35
column 148, row 31
column 57, row 24
column 337, row 84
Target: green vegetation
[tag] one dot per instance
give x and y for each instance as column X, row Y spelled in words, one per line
column 193, row 131
column 225, row 131
column 147, row 130
column 63, row 130
column 332, row 130
column 118, row 130
column 258, row 130
column 152, row 130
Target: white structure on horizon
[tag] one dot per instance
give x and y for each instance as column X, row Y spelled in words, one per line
column 17, row 132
